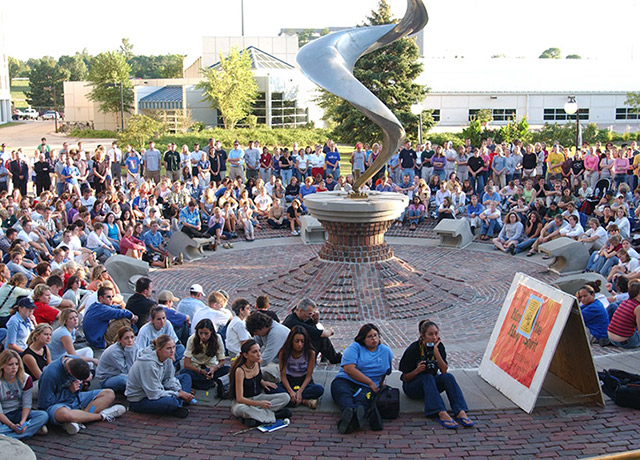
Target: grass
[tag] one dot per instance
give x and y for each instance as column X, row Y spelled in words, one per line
column 11, row 123
column 18, row 89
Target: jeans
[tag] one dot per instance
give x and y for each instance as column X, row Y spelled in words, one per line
column 311, row 391
column 201, row 382
column 102, row 252
column 526, row 244
column 611, row 309
column 347, row 394
column 492, row 228
column 335, row 172
column 409, row 172
column 286, row 176
column 117, row 383
column 620, row 179
column 164, row 405
column 429, row 387
column 37, row 419
column 477, row 183
column 413, row 216
column 440, row 173
column 631, row 342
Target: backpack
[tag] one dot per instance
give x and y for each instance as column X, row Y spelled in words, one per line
column 622, row 387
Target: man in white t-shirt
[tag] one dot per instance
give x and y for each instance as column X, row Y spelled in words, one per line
column 237, row 331
column 217, row 313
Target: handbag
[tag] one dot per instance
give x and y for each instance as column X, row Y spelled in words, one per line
column 387, row 402
column 622, row 387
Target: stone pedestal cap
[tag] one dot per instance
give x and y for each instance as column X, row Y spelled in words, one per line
column 338, row 207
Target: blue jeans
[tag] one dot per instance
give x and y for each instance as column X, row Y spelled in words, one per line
column 311, row 391
column 102, row 252
column 335, row 172
column 409, row 172
column 164, row 405
column 37, row 419
column 526, row 244
column 608, row 265
column 117, row 383
column 286, row 176
column 413, row 216
column 492, row 228
column 200, row 382
column 611, row 309
column 429, row 387
column 631, row 342
column 344, row 391
column 477, row 184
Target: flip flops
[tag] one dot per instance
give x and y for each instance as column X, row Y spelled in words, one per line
column 448, row 424
column 465, row 422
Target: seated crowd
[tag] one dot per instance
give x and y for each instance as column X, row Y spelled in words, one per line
column 56, row 294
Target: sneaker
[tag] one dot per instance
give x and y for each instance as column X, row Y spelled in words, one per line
column 295, row 233
column 71, row 427
column 344, row 424
column 43, row 430
column 181, row 412
column 250, row 422
column 113, row 412
column 283, row 413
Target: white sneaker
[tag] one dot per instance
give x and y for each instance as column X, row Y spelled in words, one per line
column 295, row 232
column 113, row 412
column 71, row 427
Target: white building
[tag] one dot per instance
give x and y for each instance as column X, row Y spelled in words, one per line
column 5, row 82
column 533, row 88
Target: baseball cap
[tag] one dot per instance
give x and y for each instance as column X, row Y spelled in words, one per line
column 26, row 302
column 166, row 296
column 196, row 288
column 224, row 293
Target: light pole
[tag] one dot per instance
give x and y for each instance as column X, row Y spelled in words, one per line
column 112, row 85
column 571, row 107
column 417, row 109
column 242, row 15
column 55, row 106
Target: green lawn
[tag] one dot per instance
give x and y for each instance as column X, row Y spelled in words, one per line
column 18, row 88
column 11, row 123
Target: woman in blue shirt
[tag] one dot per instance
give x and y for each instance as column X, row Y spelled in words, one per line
column 365, row 364
column 595, row 316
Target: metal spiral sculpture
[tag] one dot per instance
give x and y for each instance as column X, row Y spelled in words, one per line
column 328, row 61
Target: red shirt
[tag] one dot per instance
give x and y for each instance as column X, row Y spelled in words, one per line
column 265, row 160
column 44, row 313
column 127, row 243
column 623, row 322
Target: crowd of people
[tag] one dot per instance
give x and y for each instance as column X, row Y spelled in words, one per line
column 63, row 320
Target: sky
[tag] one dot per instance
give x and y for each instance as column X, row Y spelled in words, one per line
column 469, row 28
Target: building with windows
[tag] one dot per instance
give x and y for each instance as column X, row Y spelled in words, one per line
column 533, row 88
column 5, row 82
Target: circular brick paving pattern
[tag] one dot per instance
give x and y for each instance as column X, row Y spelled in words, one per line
column 473, row 283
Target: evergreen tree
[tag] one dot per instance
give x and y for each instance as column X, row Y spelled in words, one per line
column 46, row 74
column 389, row 73
column 75, row 65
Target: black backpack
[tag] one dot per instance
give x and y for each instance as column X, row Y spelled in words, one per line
column 622, row 387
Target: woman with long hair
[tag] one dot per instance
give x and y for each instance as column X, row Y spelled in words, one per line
column 37, row 355
column 248, row 389
column 297, row 360
column 64, row 337
column 17, row 420
column 204, row 356
column 117, row 360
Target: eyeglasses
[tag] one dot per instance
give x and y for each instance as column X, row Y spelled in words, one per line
column 108, row 297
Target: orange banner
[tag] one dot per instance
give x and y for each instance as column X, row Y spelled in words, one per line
column 524, row 334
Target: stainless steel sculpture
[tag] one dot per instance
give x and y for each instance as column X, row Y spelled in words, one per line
column 328, row 61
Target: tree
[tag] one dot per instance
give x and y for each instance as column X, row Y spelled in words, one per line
column 389, row 73
column 230, row 88
column 108, row 71
column 17, row 68
column 551, row 53
column 141, row 129
column 498, row 56
column 165, row 66
column 633, row 101
column 573, row 56
column 75, row 65
column 126, row 49
column 45, row 75
column 305, row 37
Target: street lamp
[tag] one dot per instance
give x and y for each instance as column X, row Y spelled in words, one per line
column 113, row 85
column 571, row 107
column 55, row 106
column 417, row 110
column 242, row 15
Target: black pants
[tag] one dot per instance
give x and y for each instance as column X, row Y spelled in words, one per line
column 193, row 233
column 325, row 347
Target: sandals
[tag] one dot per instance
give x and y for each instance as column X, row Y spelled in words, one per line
column 448, row 424
column 465, row 422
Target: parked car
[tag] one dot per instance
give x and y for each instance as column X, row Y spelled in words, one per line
column 30, row 114
column 18, row 114
column 50, row 115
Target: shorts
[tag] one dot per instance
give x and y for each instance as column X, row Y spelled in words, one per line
column 79, row 403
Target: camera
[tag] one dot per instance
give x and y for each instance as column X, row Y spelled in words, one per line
column 431, row 364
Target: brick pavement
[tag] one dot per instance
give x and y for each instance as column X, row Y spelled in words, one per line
column 567, row 432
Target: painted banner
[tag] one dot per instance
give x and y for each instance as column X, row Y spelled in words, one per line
column 524, row 334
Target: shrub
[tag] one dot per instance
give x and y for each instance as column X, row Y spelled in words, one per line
column 93, row 133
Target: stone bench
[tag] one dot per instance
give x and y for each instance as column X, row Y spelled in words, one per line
column 311, row 230
column 190, row 248
column 123, row 268
column 454, row 233
column 571, row 283
column 569, row 255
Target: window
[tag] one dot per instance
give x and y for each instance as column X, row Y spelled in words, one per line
column 561, row 115
column 496, row 114
column 435, row 114
column 284, row 113
column 627, row 113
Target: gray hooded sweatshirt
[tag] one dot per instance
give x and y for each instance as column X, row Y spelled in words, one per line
column 151, row 379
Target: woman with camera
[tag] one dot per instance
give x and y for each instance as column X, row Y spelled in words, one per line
column 424, row 376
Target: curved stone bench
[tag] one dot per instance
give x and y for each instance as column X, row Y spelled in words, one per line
column 14, row 449
column 190, row 248
column 454, row 233
column 311, row 230
column 123, row 268
column 571, row 283
column 569, row 255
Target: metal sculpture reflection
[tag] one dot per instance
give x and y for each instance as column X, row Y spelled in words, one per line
column 328, row 61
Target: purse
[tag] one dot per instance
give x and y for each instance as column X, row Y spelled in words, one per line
column 387, row 402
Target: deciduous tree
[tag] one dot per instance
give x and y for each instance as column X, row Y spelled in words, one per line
column 108, row 71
